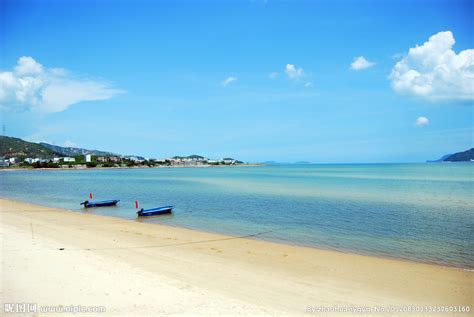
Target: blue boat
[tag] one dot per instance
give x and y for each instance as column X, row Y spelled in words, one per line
column 155, row 211
column 101, row 203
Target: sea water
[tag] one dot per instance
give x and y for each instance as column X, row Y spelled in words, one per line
column 420, row 212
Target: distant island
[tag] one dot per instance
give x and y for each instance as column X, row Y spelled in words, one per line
column 466, row 156
column 15, row 152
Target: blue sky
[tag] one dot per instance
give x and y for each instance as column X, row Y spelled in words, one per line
column 255, row 80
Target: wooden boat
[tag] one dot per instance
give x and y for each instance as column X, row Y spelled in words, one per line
column 101, row 203
column 155, row 211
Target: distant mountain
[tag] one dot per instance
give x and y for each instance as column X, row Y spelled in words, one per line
column 194, row 156
column 73, row 151
column 465, row 156
column 441, row 159
column 275, row 163
column 15, row 147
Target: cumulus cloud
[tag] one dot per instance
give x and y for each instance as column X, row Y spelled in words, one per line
column 31, row 86
column 28, row 66
column 360, row 63
column 293, row 72
column 435, row 72
column 422, row 121
column 228, row 80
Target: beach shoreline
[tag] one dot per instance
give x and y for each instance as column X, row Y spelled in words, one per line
column 256, row 235
column 161, row 269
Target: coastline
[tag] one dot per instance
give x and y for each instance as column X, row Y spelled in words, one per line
column 114, row 168
column 254, row 236
column 177, row 270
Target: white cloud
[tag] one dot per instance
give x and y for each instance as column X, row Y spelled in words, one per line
column 31, row 86
column 360, row 63
column 273, row 75
column 228, row 80
column 435, row 72
column 308, row 84
column 294, row 72
column 26, row 65
column 422, row 121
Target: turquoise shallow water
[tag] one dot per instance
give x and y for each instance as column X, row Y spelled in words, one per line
column 421, row 212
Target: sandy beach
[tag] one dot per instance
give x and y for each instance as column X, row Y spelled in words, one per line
column 57, row 257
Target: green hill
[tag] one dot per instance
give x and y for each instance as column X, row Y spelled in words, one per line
column 15, row 147
column 194, row 156
column 73, row 151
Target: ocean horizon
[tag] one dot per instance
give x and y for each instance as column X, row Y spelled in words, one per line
column 413, row 211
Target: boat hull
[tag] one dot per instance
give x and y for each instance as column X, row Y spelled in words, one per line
column 105, row 203
column 155, row 211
